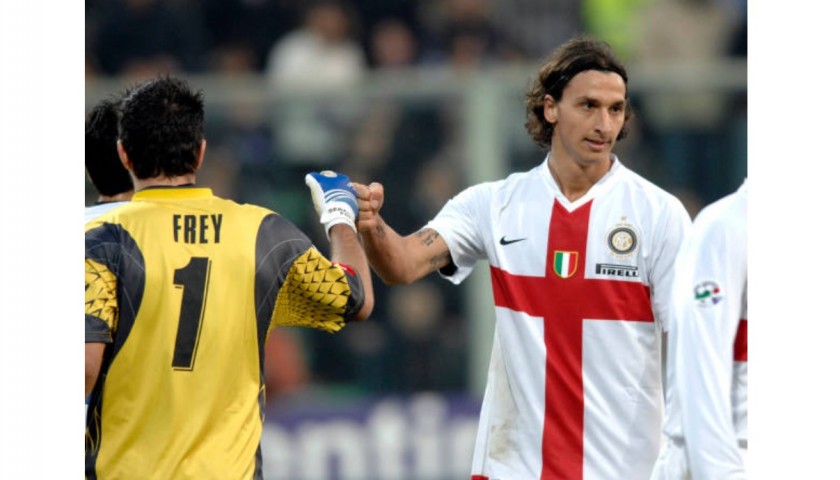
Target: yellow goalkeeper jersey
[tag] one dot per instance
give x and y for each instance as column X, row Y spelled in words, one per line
column 183, row 287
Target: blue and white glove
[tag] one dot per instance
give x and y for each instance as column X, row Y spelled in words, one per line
column 334, row 199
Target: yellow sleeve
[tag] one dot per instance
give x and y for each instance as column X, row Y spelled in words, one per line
column 315, row 294
column 101, row 312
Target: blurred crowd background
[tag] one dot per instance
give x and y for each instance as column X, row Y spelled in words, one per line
column 426, row 98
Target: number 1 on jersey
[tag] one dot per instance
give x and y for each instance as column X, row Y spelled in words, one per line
column 193, row 279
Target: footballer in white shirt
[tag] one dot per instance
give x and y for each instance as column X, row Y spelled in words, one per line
column 581, row 253
column 706, row 401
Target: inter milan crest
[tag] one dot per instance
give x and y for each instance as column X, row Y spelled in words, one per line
column 565, row 263
column 623, row 240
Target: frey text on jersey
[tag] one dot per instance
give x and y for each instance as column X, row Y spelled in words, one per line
column 195, row 228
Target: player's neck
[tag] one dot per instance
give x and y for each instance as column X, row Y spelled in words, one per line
column 164, row 181
column 575, row 179
column 120, row 197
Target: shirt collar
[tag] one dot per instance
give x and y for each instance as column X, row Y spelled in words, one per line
column 172, row 192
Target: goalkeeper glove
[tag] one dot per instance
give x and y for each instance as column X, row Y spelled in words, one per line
column 334, row 199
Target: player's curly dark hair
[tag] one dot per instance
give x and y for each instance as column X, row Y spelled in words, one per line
column 575, row 56
column 102, row 161
column 161, row 128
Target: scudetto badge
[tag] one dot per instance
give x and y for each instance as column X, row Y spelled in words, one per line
column 623, row 240
column 565, row 263
column 707, row 293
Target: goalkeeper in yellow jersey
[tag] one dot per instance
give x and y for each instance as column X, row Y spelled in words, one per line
column 181, row 290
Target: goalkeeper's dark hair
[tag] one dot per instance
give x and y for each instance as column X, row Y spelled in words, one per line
column 575, row 56
column 102, row 162
column 161, row 128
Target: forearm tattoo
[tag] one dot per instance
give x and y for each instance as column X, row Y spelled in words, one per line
column 427, row 236
column 380, row 231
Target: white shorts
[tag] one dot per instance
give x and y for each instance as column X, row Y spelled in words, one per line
column 672, row 463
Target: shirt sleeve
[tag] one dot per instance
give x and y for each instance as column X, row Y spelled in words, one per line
column 459, row 224
column 317, row 293
column 707, row 320
column 668, row 239
column 100, row 302
column 101, row 293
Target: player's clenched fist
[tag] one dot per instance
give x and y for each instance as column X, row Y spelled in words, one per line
column 370, row 199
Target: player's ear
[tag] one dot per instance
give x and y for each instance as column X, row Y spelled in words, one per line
column 549, row 109
column 201, row 150
column 123, row 156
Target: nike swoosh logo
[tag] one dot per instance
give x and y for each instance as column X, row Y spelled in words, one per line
column 505, row 241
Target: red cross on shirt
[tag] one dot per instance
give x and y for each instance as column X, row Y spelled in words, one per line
column 564, row 304
column 741, row 341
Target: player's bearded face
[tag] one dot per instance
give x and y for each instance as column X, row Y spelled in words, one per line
column 590, row 116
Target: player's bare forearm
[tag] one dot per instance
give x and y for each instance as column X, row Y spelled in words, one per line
column 397, row 259
column 335, row 203
column 400, row 260
column 384, row 248
column 346, row 249
column 432, row 253
column 93, row 362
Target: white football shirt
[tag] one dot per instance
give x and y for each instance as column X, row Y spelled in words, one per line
column 574, row 385
column 706, row 402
